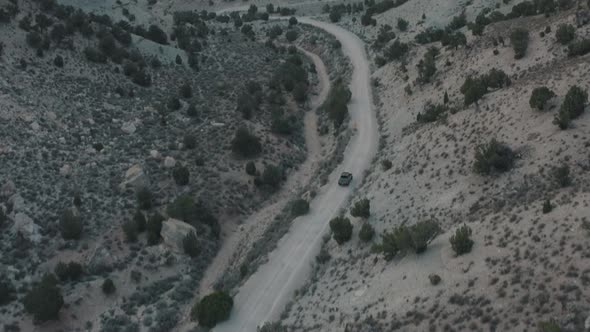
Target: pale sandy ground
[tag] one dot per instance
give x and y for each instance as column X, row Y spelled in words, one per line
column 264, row 295
column 526, row 267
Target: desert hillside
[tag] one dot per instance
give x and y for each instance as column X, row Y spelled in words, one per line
column 525, row 200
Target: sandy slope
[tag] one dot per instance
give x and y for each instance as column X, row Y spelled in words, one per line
column 265, row 294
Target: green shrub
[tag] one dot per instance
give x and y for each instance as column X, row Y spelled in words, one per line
column 496, row 79
column 174, row 104
column 341, row 229
column 58, row 61
column 7, row 290
column 386, row 164
column 565, row 33
column 367, row 232
column 291, row 35
column 336, row 105
column 402, row 24
column 562, row 119
column 190, row 244
column 562, row 176
column 549, row 326
column 473, row 89
column 299, row 207
column 493, row 156
column 181, row 175
column 396, row 51
column 519, row 38
column 70, row 271
column 540, row 97
column 156, row 34
column 186, row 91
column 70, row 225
column 431, row 113
column 108, row 286
column 245, row 143
column 130, row 230
column 154, row 227
column 186, row 209
column 575, row 101
column 140, row 221
column 427, row 66
column 547, row 206
column 212, row 309
column 251, row 168
column 404, row 238
column 579, row 48
column 361, row 209
column 144, row 198
column 44, row 300
column 94, row 55
column 272, row 176
column 461, row 241
column 142, row 78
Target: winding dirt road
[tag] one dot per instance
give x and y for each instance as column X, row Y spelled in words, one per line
column 264, row 295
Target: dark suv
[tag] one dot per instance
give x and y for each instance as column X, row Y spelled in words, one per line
column 345, row 179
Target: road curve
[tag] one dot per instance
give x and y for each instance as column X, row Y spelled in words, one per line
column 264, row 295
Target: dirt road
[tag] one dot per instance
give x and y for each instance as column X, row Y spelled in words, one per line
column 262, row 297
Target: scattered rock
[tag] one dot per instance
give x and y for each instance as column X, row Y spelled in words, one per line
column 35, row 126
column 17, row 203
column 155, row 154
column 65, row 170
column 26, row 227
column 135, row 177
column 434, row 279
column 101, row 260
column 8, row 189
column 173, row 233
column 128, row 128
column 169, row 162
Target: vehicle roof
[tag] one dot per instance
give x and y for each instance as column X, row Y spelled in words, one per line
column 345, row 174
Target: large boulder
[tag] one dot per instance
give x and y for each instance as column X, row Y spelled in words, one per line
column 135, row 178
column 100, row 260
column 173, row 233
column 8, row 189
column 25, row 226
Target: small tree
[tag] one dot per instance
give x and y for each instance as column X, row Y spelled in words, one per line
column 181, row 175
column 292, row 21
column 70, row 271
column 291, row 35
column 251, row 168
column 272, row 176
column 140, row 221
column 575, row 101
column 473, row 89
column 341, row 229
column 186, row 91
column 212, row 309
column 519, row 38
column 44, row 300
column 108, row 286
column 70, row 225
column 7, row 290
column 402, row 24
column 130, row 230
column 540, row 97
column 367, row 232
column 493, row 156
column 246, row 144
column 547, row 206
column 58, row 61
column 565, row 33
column 461, row 241
column 144, row 198
column 190, row 244
column 361, row 209
column 154, row 227
column 562, row 176
column 299, row 207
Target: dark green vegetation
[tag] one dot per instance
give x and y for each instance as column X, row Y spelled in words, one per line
column 403, row 238
column 212, row 309
column 341, row 229
column 539, row 97
column 493, row 157
column 461, row 241
column 572, row 107
column 44, row 300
